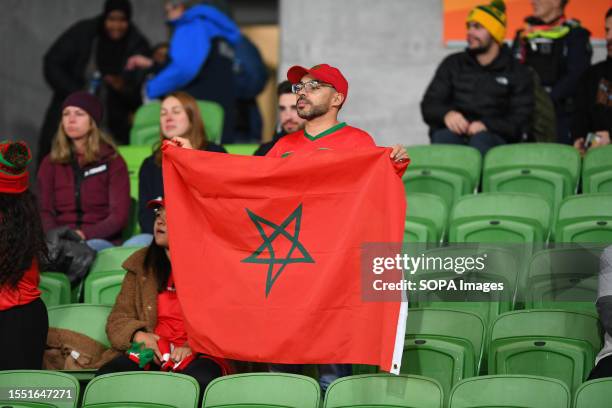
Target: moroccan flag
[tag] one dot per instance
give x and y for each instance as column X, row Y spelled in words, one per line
column 266, row 254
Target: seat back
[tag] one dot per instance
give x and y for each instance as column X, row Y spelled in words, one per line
column 384, row 391
column 48, row 389
column 594, row 394
column 547, row 169
column 89, row 320
column 111, row 259
column 425, row 219
column 134, row 156
column 597, row 170
column 585, row 218
column 262, row 390
column 102, row 288
column 510, row 391
column 142, row 389
column 54, row 288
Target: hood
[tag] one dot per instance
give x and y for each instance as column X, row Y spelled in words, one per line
column 218, row 23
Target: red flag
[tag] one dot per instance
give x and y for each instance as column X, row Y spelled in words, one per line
column 266, row 254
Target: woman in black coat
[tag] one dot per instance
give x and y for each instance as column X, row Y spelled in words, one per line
column 91, row 55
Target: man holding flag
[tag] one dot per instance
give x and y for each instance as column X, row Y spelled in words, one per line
column 267, row 262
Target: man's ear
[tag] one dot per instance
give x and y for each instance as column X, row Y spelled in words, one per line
column 338, row 100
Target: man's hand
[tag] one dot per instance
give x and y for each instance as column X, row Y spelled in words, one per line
column 182, row 142
column 115, row 81
column 456, row 122
column 80, row 234
column 399, row 153
column 138, row 62
column 180, row 353
column 150, row 341
column 579, row 145
column 476, row 127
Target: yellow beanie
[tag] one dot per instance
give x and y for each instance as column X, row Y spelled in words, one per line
column 491, row 17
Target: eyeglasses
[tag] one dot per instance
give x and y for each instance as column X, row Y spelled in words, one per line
column 309, row 86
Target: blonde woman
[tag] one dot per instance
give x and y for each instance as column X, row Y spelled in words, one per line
column 83, row 183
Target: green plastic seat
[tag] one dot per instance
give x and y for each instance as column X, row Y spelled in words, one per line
column 448, row 171
column 111, row 259
column 384, row 391
column 243, row 149
column 142, row 390
column 425, row 218
column 262, row 390
column 82, row 318
column 563, row 278
column 500, row 217
column 61, row 390
column 547, row 169
column 102, row 287
column 597, row 170
column 134, row 156
column 445, row 345
column 145, row 130
column 585, row 218
column 551, row 343
column 510, row 391
column 594, row 394
column 54, row 288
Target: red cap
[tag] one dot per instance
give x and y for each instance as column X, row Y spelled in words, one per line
column 324, row 73
column 13, row 179
column 156, row 202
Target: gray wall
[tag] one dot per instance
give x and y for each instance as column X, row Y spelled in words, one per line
column 388, row 50
column 27, row 29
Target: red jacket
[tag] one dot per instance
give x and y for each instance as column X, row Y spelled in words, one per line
column 104, row 194
column 25, row 292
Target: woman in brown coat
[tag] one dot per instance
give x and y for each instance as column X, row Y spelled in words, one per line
column 147, row 312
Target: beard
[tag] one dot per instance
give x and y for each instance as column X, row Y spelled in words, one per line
column 314, row 112
column 480, row 47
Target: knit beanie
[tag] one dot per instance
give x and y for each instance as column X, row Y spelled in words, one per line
column 86, row 101
column 121, row 5
column 14, row 159
column 492, row 17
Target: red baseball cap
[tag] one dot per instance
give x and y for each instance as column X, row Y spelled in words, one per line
column 324, row 73
column 156, row 203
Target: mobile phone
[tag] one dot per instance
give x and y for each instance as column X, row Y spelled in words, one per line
column 591, row 137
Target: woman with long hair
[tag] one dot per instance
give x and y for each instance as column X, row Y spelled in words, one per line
column 23, row 315
column 83, row 182
column 147, row 320
column 181, row 123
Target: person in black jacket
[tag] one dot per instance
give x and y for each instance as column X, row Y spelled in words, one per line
column 480, row 97
column 594, row 100
column 181, row 123
column 91, row 55
column 558, row 49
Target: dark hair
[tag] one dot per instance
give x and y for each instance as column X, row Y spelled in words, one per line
column 609, row 13
column 22, row 240
column 283, row 88
column 564, row 3
column 157, row 262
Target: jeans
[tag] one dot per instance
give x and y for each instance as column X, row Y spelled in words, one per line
column 98, row 244
column 482, row 141
column 139, row 240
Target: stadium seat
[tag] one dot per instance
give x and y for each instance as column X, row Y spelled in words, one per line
column 134, row 156
column 585, row 218
column 448, row 171
column 510, row 391
column 384, row 391
column 54, row 288
column 244, row 149
column 425, row 219
column 445, row 345
column 547, row 169
column 60, row 390
column 563, row 278
column 550, row 343
column 594, row 394
column 111, row 259
column 597, row 170
column 262, row 390
column 102, row 287
column 500, row 217
column 145, row 130
column 152, row 389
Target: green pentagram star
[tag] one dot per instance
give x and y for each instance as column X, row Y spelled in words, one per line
column 279, row 230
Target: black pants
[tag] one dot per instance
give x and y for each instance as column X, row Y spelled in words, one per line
column 603, row 369
column 23, row 335
column 203, row 370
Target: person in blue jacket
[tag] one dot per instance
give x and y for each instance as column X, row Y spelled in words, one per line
column 200, row 59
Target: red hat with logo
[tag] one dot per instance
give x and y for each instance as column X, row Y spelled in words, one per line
column 156, row 203
column 324, row 73
column 14, row 159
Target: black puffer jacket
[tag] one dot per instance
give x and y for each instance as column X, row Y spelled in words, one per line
column 499, row 94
